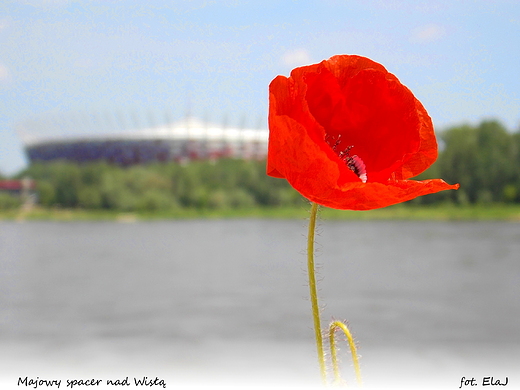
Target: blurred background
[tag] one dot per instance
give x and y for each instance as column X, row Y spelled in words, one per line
column 125, row 109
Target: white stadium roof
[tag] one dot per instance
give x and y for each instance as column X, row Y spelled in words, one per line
column 189, row 128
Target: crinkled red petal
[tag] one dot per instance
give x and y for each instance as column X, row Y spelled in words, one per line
column 292, row 150
column 372, row 113
column 370, row 196
column 305, row 107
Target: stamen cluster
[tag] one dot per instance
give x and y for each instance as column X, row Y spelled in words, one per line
column 354, row 163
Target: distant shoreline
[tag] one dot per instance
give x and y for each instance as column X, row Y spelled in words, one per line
column 438, row 212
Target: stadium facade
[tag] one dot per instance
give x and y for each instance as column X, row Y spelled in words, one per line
column 189, row 139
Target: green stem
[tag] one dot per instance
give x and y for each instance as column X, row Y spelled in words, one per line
column 333, row 327
column 314, row 293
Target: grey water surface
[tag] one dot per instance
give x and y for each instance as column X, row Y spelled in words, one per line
column 216, row 301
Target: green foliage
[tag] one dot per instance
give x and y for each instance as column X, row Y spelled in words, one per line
column 222, row 184
column 484, row 160
column 46, row 192
column 8, row 202
column 89, row 197
column 154, row 200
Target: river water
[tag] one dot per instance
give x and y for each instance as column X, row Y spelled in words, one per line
column 223, row 303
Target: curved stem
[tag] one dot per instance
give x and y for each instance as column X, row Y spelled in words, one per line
column 313, row 291
column 333, row 327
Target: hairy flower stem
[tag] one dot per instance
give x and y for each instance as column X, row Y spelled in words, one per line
column 316, row 314
column 314, row 293
column 332, row 329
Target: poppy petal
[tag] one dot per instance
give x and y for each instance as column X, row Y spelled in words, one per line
column 346, row 134
column 293, row 151
column 427, row 153
column 370, row 196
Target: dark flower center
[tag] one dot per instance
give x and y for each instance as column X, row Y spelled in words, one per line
column 354, row 163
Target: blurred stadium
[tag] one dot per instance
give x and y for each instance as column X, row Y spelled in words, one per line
column 128, row 139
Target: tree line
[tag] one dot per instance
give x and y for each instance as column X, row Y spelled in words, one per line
column 484, row 159
column 225, row 183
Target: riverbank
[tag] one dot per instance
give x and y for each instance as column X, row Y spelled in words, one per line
column 442, row 212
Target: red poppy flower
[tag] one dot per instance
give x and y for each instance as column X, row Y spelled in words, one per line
column 346, row 134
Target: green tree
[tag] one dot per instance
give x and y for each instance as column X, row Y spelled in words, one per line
column 481, row 159
column 89, row 197
column 46, row 192
column 9, row 202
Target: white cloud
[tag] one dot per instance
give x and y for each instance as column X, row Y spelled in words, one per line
column 297, row 57
column 428, row 33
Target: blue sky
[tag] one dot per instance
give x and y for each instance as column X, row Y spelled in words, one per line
column 63, row 60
